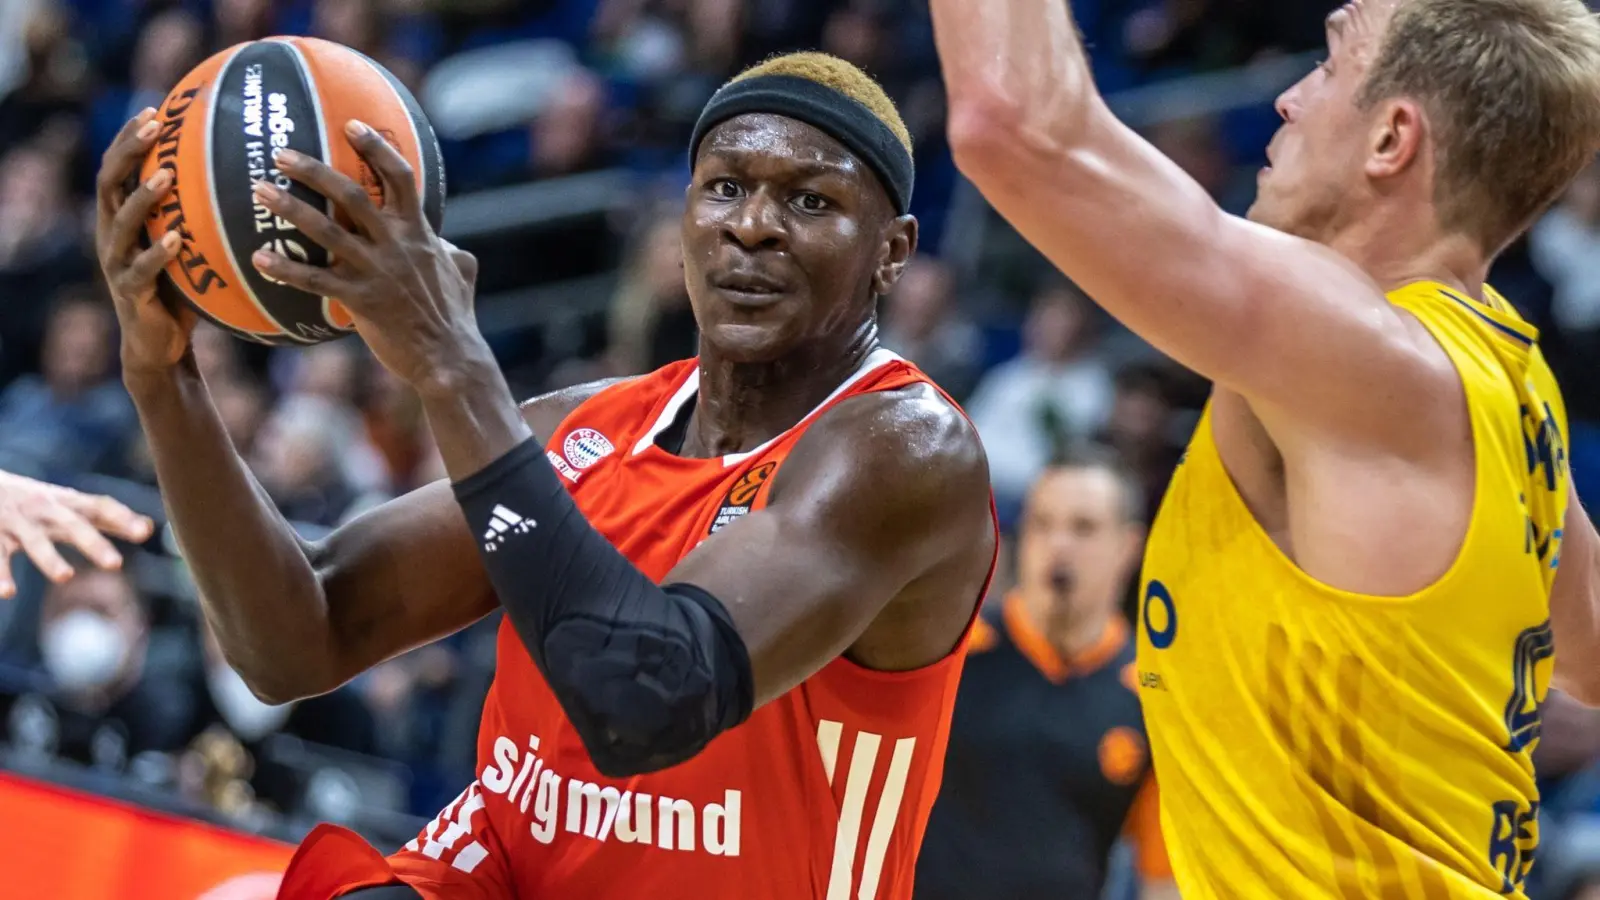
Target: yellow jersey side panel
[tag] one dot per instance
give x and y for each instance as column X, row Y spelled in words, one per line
column 1314, row 743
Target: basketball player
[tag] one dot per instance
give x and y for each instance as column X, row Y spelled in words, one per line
column 769, row 721
column 1348, row 594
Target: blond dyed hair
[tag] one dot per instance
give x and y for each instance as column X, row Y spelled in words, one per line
column 1511, row 89
column 846, row 78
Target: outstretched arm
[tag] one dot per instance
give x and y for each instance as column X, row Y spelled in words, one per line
column 1284, row 322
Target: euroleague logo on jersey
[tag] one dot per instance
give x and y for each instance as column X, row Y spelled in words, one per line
column 742, row 496
column 585, row 447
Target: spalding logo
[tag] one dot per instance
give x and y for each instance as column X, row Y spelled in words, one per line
column 585, row 447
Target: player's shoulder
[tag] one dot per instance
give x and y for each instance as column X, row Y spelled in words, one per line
column 910, row 436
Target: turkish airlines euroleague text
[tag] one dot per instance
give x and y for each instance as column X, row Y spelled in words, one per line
column 822, row 793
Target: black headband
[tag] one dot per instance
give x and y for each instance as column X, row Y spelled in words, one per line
column 822, row 107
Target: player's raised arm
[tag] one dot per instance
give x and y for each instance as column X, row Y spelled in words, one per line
column 1277, row 318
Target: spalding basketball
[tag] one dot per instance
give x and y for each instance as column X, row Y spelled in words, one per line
column 219, row 130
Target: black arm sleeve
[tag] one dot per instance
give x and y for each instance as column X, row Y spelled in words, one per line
column 648, row 675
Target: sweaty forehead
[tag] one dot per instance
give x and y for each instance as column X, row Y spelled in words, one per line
column 772, row 141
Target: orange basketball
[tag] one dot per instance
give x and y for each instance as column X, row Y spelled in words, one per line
column 219, row 129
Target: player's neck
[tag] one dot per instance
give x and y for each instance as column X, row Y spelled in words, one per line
column 1396, row 252
column 740, row 406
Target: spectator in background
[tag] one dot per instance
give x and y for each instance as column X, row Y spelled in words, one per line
column 216, row 354
column 39, row 250
column 237, row 21
column 1026, row 410
column 651, row 323
column 56, row 73
column 108, row 706
column 171, row 43
column 920, row 322
column 566, row 137
column 229, row 721
column 298, row 459
column 1048, row 763
column 1144, row 430
column 75, row 417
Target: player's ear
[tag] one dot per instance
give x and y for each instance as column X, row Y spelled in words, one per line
column 1396, row 138
column 899, row 245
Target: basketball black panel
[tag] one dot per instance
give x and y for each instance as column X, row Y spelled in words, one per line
column 265, row 102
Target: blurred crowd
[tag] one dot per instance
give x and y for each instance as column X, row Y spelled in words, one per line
column 116, row 672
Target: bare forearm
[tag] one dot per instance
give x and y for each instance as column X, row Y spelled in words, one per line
column 1024, row 54
column 259, row 589
column 473, row 416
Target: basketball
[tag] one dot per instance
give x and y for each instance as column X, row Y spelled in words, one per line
column 220, row 129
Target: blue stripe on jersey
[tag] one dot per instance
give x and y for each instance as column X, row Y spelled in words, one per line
column 1521, row 338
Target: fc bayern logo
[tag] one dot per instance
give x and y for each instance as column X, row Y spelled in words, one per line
column 585, row 447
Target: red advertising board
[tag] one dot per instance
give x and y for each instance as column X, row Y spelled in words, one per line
column 68, row 845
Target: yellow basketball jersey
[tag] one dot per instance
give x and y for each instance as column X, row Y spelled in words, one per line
column 1314, row 743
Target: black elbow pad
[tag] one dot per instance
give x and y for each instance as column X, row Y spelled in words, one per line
column 650, row 689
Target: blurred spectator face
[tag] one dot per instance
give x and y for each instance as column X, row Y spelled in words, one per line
column 1589, row 890
column 92, row 633
column 853, row 35
column 1139, row 415
column 247, row 717
column 241, row 20
column 920, row 301
column 348, row 22
column 566, row 133
column 33, row 195
column 295, row 450
column 169, row 46
column 1076, row 545
column 328, row 371
column 663, row 260
column 215, row 353
column 77, row 347
column 1056, row 324
column 242, row 406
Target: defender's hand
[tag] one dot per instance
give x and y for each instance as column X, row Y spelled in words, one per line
column 409, row 292
column 35, row 516
column 153, row 337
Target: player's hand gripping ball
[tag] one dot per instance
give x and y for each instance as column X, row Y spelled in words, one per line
column 218, row 136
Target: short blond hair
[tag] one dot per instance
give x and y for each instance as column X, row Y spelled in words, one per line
column 846, row 78
column 1511, row 89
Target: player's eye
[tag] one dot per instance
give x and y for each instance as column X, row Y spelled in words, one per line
column 726, row 188
column 1325, row 66
column 811, row 202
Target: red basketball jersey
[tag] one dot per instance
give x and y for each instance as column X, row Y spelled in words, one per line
column 822, row 793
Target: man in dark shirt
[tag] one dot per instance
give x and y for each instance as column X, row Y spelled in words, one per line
column 1048, row 765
